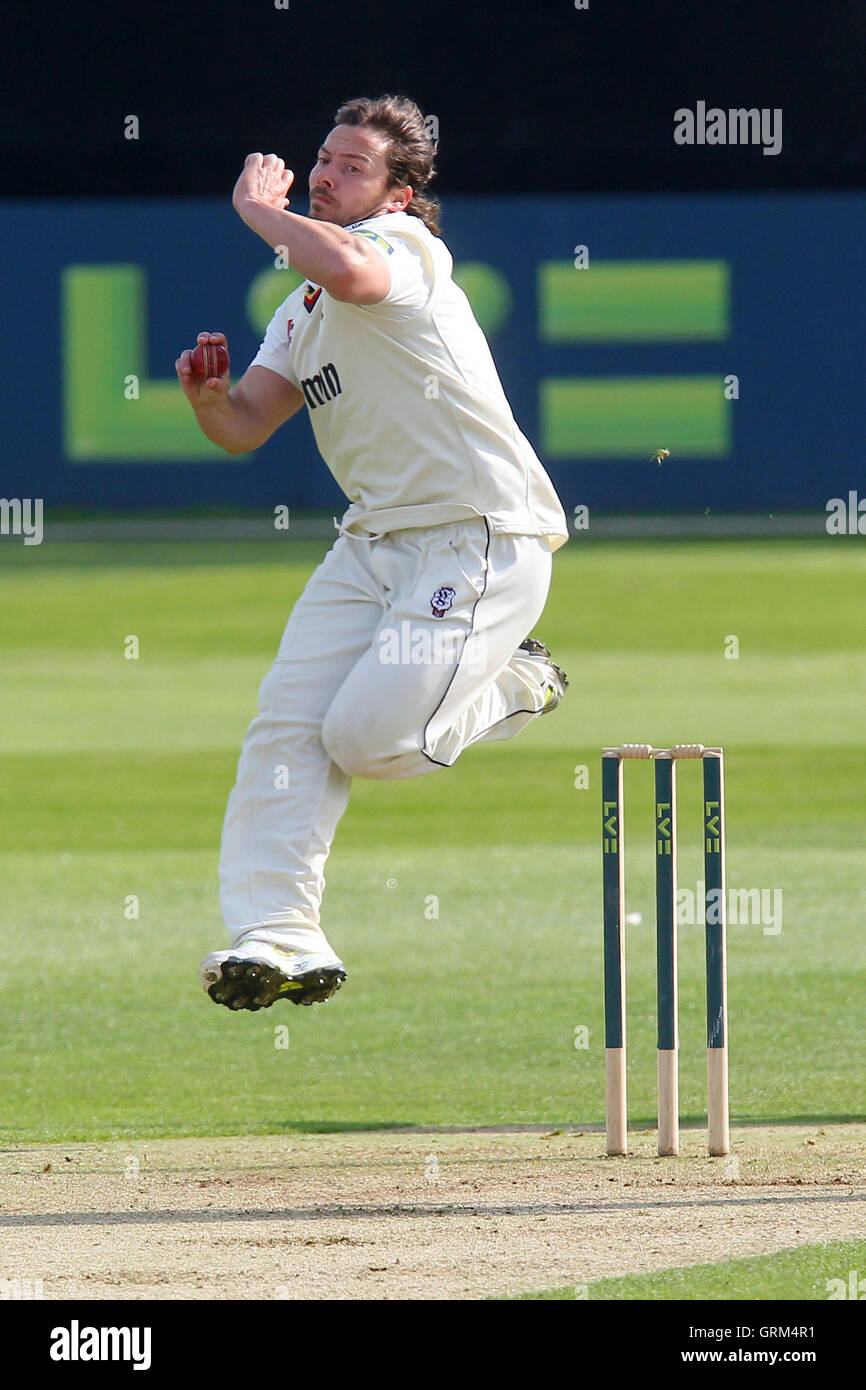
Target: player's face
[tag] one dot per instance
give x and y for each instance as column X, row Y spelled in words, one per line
column 350, row 180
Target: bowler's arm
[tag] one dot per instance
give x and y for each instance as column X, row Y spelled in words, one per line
column 251, row 412
column 242, row 417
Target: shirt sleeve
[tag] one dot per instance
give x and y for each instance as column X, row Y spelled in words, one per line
column 275, row 349
column 411, row 275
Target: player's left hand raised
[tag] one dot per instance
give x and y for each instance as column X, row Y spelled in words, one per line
column 265, row 181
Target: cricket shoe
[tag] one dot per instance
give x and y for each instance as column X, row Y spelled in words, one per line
column 255, row 974
column 554, row 681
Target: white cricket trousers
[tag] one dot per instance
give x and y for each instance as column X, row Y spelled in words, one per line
column 400, row 653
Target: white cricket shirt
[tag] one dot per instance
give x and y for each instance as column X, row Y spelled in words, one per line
column 404, row 398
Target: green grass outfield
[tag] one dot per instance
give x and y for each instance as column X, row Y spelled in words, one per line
column 113, row 781
column 812, row 1273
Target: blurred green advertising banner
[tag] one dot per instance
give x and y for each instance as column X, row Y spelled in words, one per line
column 722, row 329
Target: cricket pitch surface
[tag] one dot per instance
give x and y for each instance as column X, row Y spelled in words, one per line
column 412, row 1214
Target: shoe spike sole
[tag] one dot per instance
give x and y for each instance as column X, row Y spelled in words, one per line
column 250, row 984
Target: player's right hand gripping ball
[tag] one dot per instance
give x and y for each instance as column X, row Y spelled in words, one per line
column 209, row 359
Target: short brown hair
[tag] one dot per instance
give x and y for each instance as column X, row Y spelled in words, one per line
column 410, row 151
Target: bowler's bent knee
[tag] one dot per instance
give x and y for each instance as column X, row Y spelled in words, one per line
column 362, row 746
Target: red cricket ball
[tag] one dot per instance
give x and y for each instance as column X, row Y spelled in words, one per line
column 209, row 359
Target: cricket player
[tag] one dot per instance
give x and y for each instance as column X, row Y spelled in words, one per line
column 409, row 642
